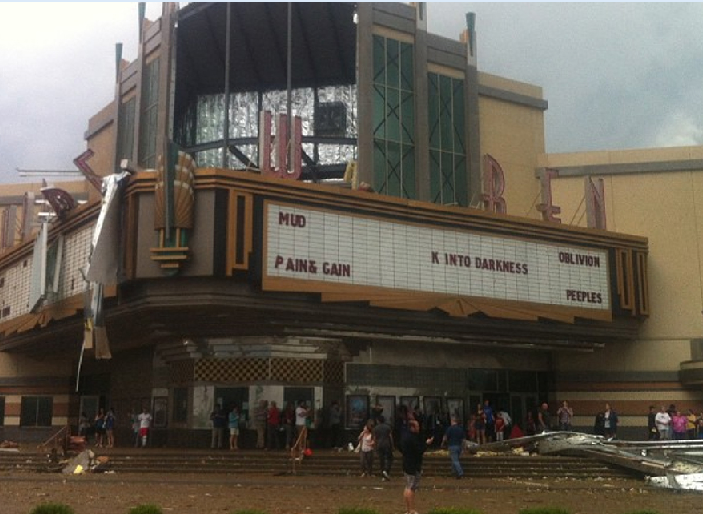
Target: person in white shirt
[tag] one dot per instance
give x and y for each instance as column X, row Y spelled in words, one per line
column 663, row 420
column 144, row 425
column 301, row 415
column 301, row 429
column 508, row 421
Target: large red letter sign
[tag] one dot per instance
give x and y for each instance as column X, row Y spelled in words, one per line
column 595, row 202
column 282, row 167
column 493, row 186
column 547, row 208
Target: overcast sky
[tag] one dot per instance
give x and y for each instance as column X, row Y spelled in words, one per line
column 616, row 75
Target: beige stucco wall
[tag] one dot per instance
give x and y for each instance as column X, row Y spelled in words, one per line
column 665, row 207
column 101, row 139
column 513, row 134
column 17, row 365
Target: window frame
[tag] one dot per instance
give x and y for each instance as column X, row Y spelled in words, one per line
column 30, row 411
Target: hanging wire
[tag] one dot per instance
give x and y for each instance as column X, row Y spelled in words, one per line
column 534, row 202
column 583, row 198
column 578, row 223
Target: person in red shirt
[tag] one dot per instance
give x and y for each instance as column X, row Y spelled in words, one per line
column 500, row 427
column 273, row 422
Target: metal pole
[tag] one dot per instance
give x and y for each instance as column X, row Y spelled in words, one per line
column 225, row 137
column 289, row 72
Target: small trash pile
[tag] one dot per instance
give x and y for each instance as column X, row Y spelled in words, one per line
column 86, row 462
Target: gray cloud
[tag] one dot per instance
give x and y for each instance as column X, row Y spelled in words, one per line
column 57, row 69
column 616, row 75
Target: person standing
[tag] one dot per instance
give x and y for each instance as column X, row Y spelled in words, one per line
column 471, row 429
column 530, row 424
column 233, row 423
column 110, row 428
column 335, row 417
column 679, row 423
column 507, row 420
column 610, row 423
column 663, row 422
column 219, row 421
column 500, row 427
column 454, row 441
column 134, row 423
column 367, row 442
column 83, row 425
column 544, row 419
column 564, row 415
column 490, row 421
column 413, row 447
column 144, row 426
column 260, row 423
column 671, row 411
column 652, row 432
column 99, row 424
column 383, row 435
column 273, row 421
column 289, row 424
column 480, row 425
column 599, row 423
column 302, row 414
column 301, row 418
column 691, row 419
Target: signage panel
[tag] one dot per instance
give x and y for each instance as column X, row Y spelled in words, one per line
column 309, row 244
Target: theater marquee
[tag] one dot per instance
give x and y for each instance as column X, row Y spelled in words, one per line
column 317, row 249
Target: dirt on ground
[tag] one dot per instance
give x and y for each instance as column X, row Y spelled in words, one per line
column 226, row 494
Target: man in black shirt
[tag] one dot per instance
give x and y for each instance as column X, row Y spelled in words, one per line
column 413, row 447
column 383, row 435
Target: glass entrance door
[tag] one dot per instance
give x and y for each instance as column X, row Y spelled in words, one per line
column 89, row 405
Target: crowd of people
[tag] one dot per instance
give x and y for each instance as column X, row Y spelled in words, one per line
column 379, row 436
column 102, row 427
column 670, row 423
column 275, row 428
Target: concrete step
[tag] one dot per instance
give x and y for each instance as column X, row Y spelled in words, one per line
column 321, row 463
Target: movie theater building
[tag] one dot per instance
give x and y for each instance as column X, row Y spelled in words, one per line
column 397, row 239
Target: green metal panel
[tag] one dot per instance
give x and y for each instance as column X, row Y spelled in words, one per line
column 379, row 60
column 433, row 109
column 447, row 178
column 392, row 114
column 379, row 111
column 458, row 117
column 407, row 67
column 379, row 166
column 393, row 168
column 435, row 177
column 409, row 189
column 461, row 185
column 394, row 118
column 393, row 63
column 447, row 154
column 407, row 114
